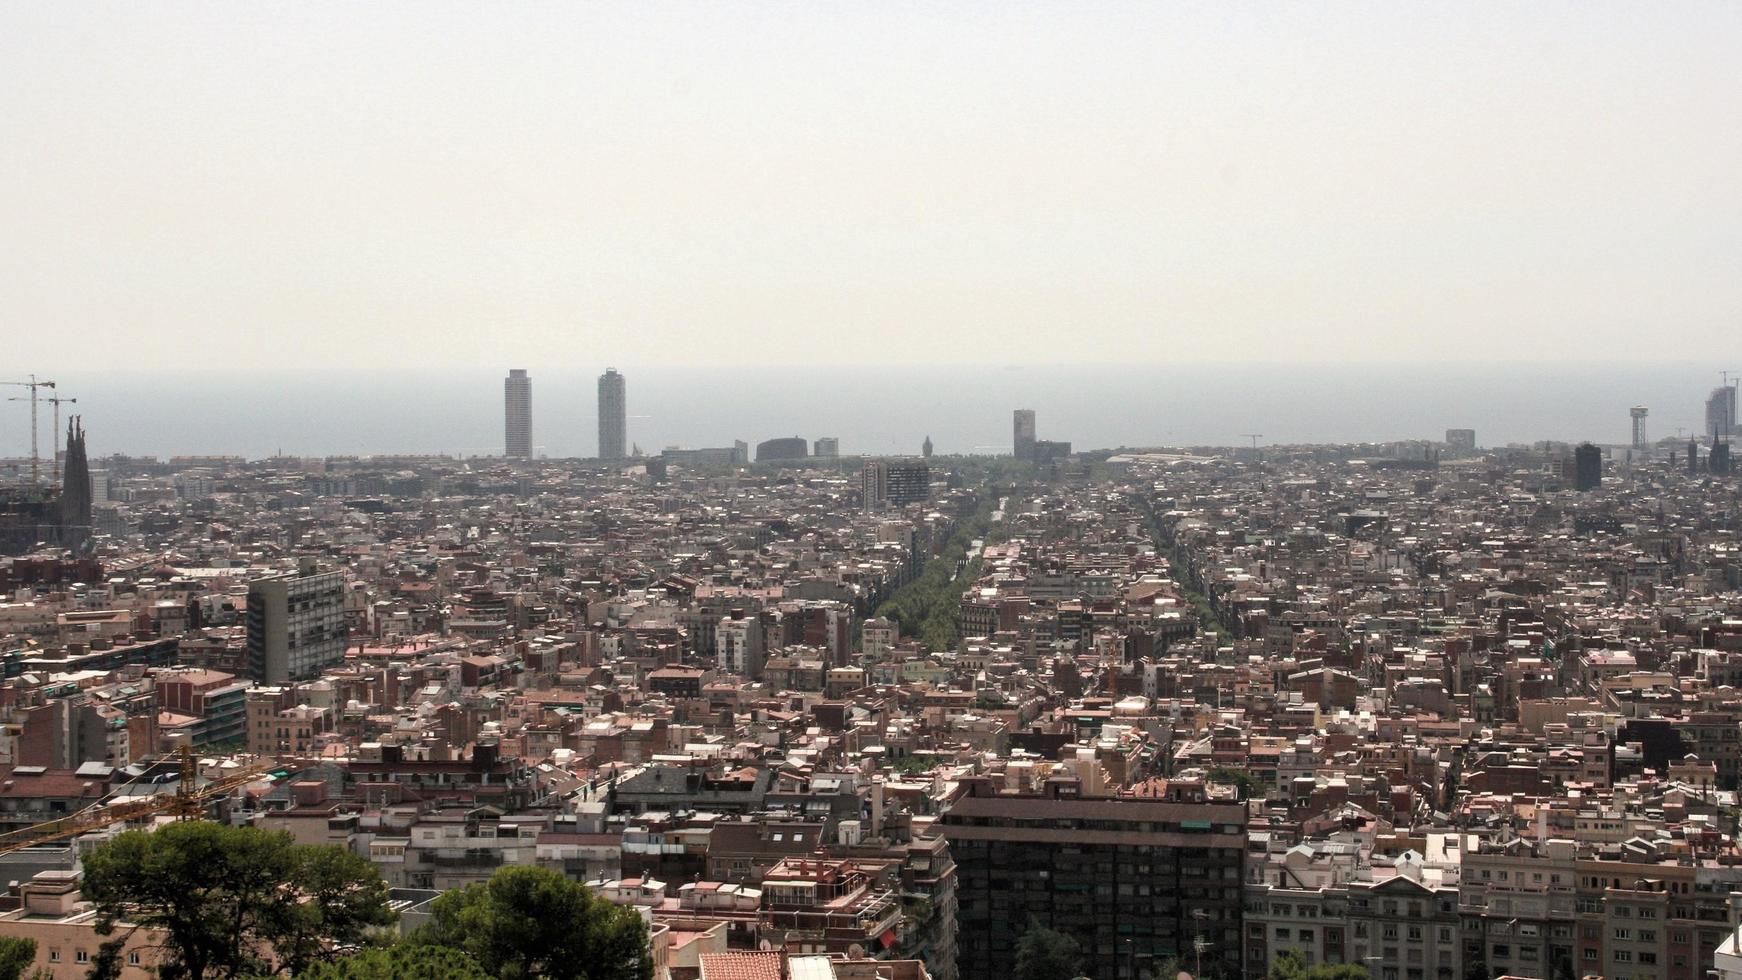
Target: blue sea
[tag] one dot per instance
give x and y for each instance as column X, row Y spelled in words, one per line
column 871, row 409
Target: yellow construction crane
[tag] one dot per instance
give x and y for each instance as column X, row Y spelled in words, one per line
column 188, row 802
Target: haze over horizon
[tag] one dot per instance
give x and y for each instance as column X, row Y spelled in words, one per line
column 442, row 186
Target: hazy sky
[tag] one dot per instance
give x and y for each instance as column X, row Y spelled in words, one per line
column 378, row 185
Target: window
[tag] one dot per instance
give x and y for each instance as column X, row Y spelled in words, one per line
column 80, row 956
column 132, row 959
column 1648, row 958
column 54, row 956
column 1624, row 934
column 1624, row 956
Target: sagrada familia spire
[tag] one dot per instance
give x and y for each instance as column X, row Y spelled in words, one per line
column 75, row 496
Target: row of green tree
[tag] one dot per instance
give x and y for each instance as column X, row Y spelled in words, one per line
column 214, row 902
column 927, row 607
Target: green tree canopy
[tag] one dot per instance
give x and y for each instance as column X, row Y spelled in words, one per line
column 406, row 961
column 232, row 901
column 1047, row 954
column 16, row 955
column 1291, row 965
column 528, row 922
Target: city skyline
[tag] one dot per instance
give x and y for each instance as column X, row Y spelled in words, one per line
column 1110, row 491
column 413, row 412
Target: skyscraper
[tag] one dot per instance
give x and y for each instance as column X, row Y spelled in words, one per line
column 894, row 483
column 1024, row 426
column 613, row 422
column 296, row 624
column 1638, row 414
column 1721, row 411
column 1587, row 467
column 517, row 414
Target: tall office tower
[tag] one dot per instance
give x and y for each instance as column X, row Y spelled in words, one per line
column 296, row 624
column 1135, row 882
column 1638, row 413
column 517, row 414
column 1587, row 467
column 827, row 447
column 1721, row 411
column 925, row 448
column 1693, row 456
column 1461, row 440
column 1024, row 442
column 613, row 422
column 1718, row 462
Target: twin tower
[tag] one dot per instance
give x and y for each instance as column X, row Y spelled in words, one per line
column 517, row 416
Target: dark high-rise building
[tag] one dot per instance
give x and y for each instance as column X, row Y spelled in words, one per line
column 1693, row 456
column 1023, row 424
column 1134, row 881
column 1719, row 457
column 827, row 447
column 925, row 448
column 517, row 415
column 613, row 417
column 895, row 482
column 789, row 447
column 1461, row 440
column 1587, row 467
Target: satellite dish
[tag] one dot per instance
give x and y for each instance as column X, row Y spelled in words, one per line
column 765, row 945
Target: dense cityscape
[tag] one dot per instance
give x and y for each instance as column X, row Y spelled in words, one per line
column 1424, row 710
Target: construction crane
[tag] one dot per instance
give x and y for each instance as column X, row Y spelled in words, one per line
column 1254, row 436
column 188, row 802
column 34, row 385
column 56, row 401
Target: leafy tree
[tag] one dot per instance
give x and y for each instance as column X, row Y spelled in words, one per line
column 528, row 922
column 406, row 961
column 1291, row 965
column 1047, row 954
column 106, row 965
column 229, row 900
column 1237, row 777
column 16, row 955
column 344, row 898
